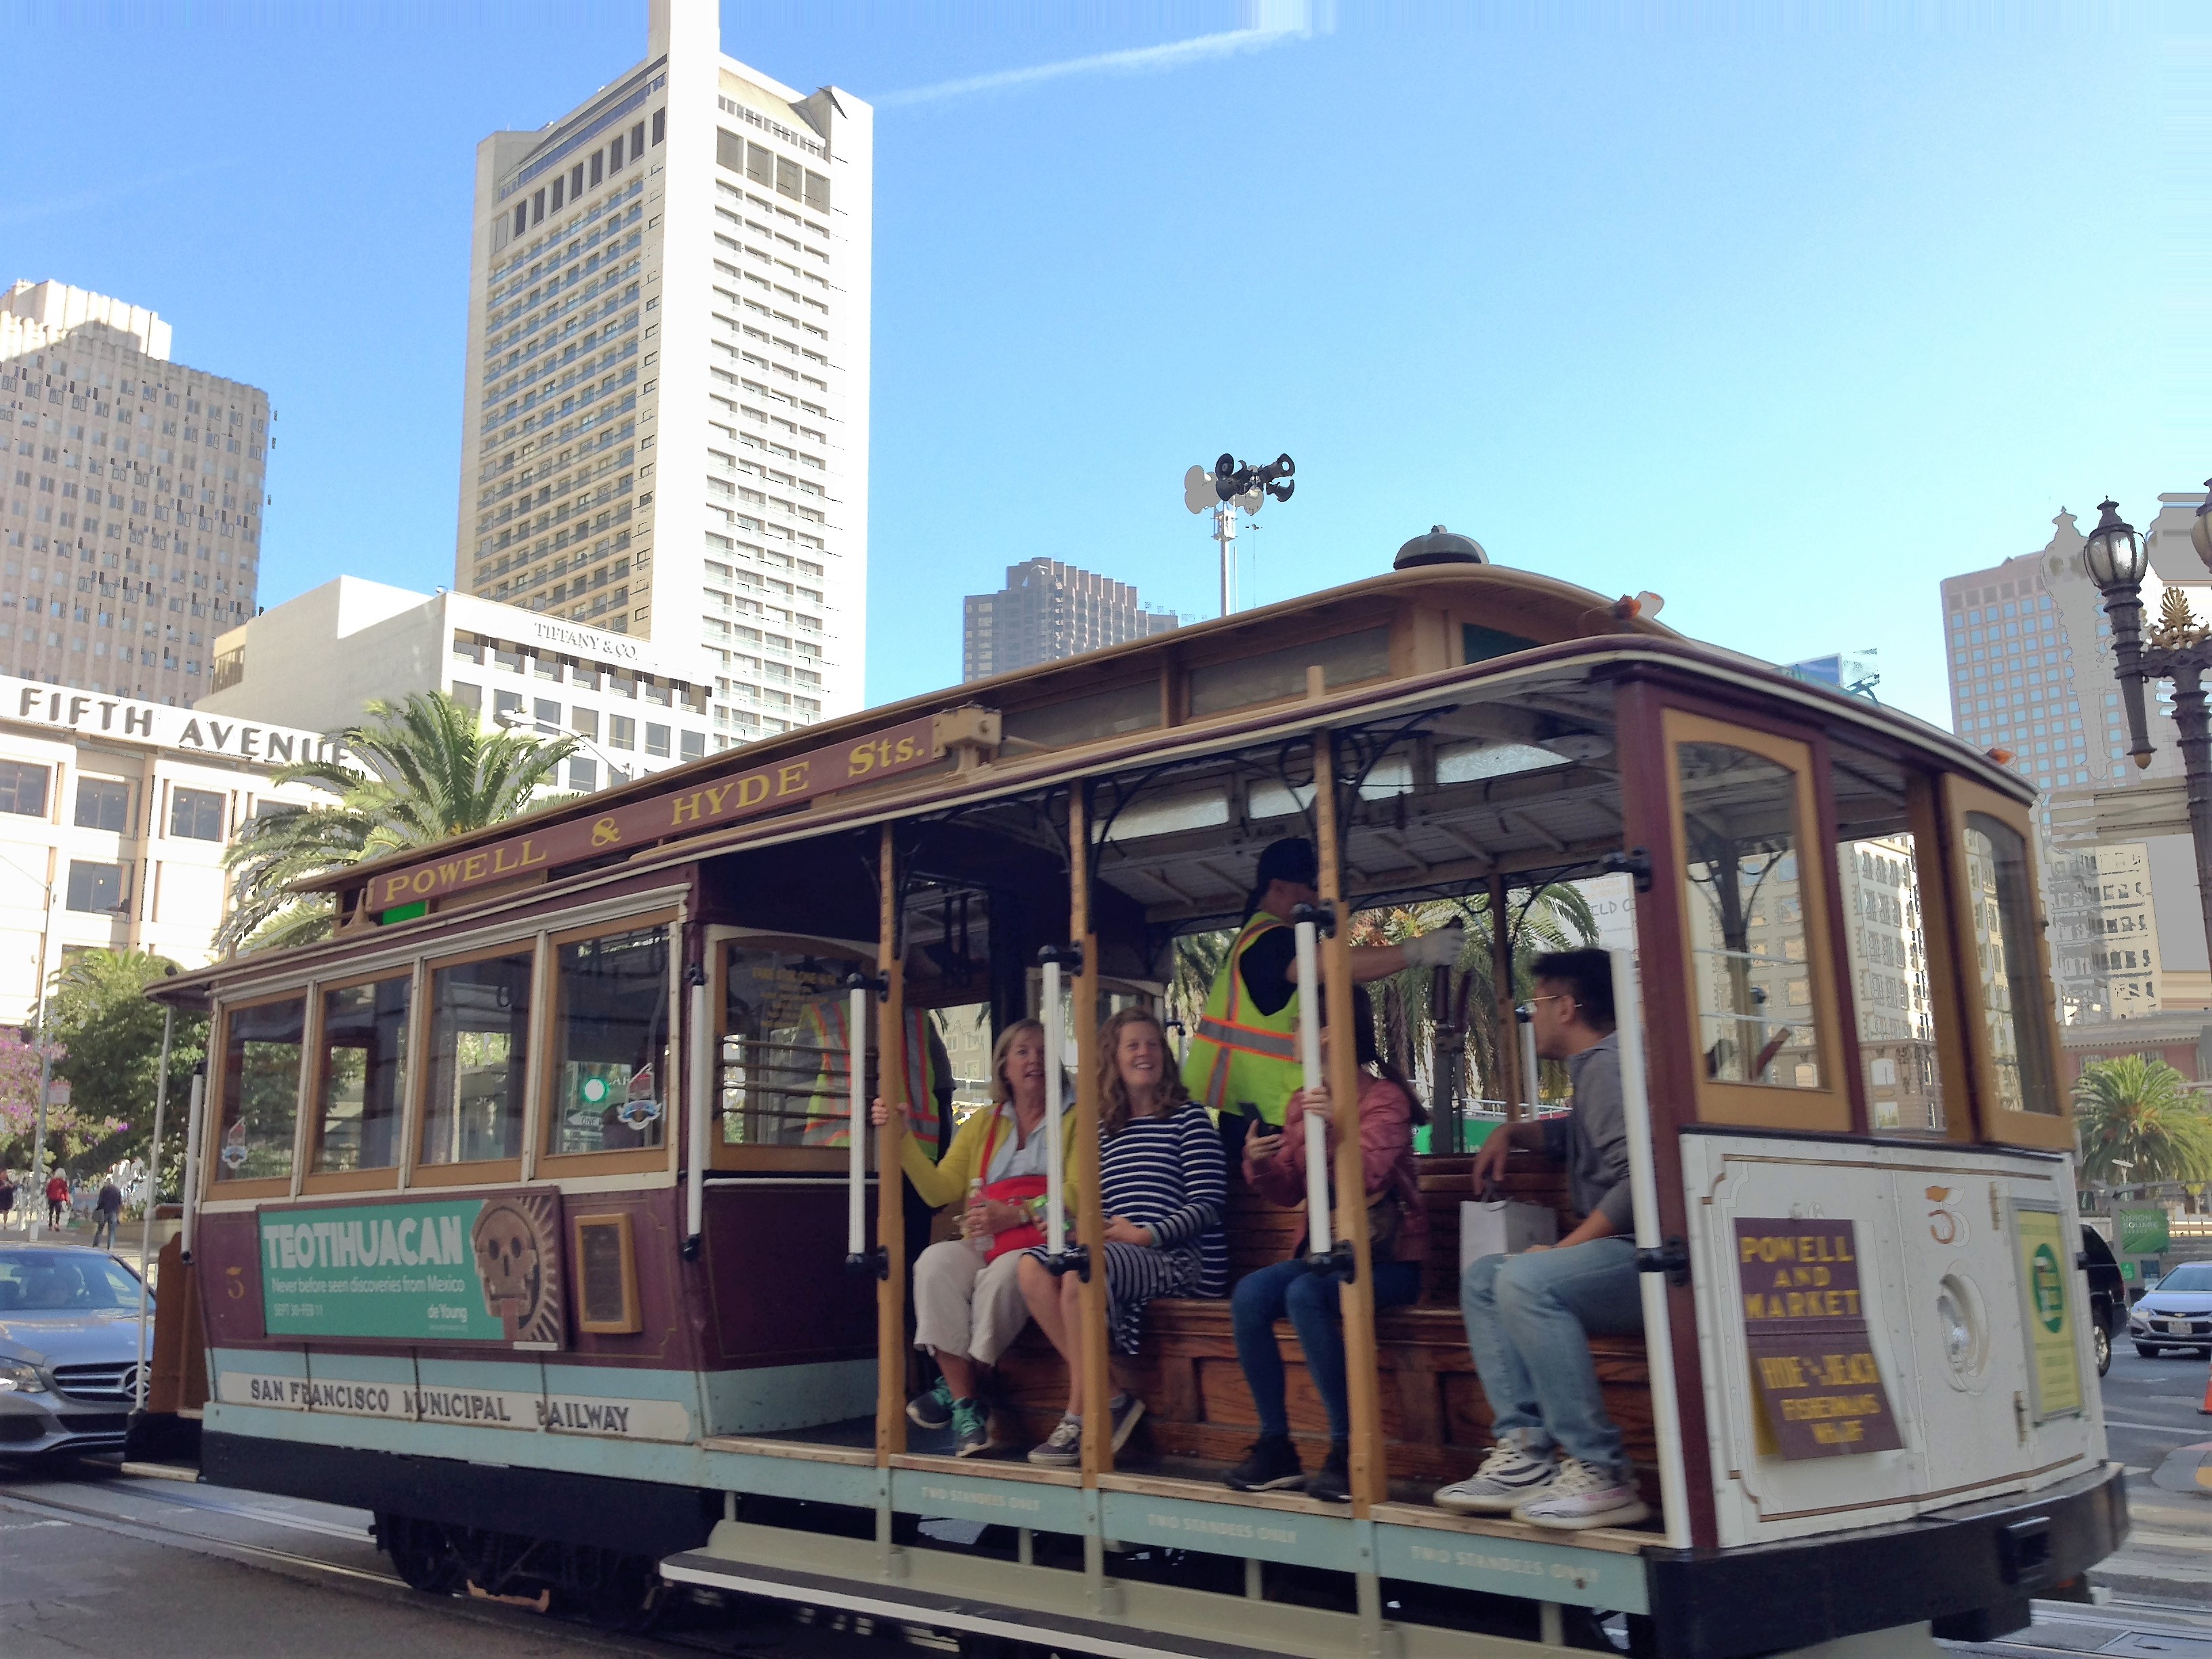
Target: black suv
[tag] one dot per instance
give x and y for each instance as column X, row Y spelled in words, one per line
column 2108, row 1296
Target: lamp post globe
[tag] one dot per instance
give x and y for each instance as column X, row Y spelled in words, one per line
column 2113, row 555
column 2200, row 528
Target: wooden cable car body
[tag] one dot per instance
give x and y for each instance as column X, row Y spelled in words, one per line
column 545, row 1260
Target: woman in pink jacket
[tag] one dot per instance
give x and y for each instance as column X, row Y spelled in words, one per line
column 1397, row 1226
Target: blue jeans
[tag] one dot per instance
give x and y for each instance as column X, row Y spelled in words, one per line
column 1529, row 1318
column 1287, row 1289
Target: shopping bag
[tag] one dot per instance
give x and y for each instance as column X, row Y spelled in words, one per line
column 1502, row 1226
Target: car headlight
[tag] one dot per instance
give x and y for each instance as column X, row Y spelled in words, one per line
column 20, row 1376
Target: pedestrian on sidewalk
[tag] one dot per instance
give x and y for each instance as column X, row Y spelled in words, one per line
column 58, row 1198
column 7, row 1199
column 108, row 1212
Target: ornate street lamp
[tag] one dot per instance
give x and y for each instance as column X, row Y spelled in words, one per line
column 2180, row 649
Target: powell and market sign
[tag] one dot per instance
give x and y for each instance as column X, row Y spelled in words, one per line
column 689, row 810
column 90, row 715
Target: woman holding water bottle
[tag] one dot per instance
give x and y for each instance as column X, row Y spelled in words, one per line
column 968, row 1300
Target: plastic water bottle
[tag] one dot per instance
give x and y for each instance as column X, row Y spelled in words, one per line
column 979, row 1242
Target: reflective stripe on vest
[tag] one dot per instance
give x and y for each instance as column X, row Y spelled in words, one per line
column 1237, row 1052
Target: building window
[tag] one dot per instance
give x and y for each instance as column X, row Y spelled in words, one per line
column 103, row 804
column 694, row 746
column 610, row 1070
column 505, row 703
column 656, row 739
column 479, row 1040
column 659, row 125
column 622, row 731
column 261, row 1056
column 583, row 774
column 22, row 789
column 470, row 697
column 96, row 888
column 196, row 814
column 547, row 713
column 585, row 723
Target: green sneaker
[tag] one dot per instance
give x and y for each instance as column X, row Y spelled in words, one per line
column 932, row 1410
column 972, row 1428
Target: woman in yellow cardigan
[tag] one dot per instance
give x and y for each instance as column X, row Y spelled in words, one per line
column 967, row 1301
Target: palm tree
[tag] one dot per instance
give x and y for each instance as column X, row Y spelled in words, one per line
column 415, row 772
column 2133, row 1110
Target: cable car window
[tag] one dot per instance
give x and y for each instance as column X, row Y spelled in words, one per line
column 1886, row 937
column 473, row 1098
column 786, row 1053
column 1756, row 1017
column 610, row 1077
column 261, row 1046
column 2001, row 904
column 361, row 1094
column 1087, row 718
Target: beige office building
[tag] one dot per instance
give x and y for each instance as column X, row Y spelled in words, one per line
column 665, row 428
column 130, row 496
column 114, row 814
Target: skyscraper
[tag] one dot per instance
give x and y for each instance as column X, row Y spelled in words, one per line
column 1048, row 610
column 130, row 498
column 666, row 430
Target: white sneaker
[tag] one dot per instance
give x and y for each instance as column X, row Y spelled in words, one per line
column 1584, row 1495
column 1508, row 1477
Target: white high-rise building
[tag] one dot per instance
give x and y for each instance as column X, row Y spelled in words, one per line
column 666, row 424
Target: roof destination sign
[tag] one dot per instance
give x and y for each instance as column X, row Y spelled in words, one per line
column 689, row 809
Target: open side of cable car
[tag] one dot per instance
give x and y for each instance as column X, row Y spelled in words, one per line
column 528, row 1211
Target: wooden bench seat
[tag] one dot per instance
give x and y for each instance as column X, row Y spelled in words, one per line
column 1435, row 1418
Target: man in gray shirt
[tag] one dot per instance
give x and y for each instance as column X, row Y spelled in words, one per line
column 1558, row 1460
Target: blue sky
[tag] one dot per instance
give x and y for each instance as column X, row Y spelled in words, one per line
column 1781, row 316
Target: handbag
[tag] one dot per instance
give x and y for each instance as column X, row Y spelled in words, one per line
column 1014, row 1189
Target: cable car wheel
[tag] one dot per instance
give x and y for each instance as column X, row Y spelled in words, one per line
column 419, row 1553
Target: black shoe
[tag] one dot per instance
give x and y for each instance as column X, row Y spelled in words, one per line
column 1333, row 1484
column 1271, row 1465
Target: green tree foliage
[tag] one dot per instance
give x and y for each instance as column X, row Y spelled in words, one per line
column 415, row 772
column 97, row 1011
column 2137, row 1111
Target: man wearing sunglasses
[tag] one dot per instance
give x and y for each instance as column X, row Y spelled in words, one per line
column 1558, row 1461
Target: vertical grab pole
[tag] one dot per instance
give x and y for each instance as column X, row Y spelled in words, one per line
column 1316, row 1132
column 702, row 1104
column 1531, row 1074
column 195, row 1132
column 856, row 1158
column 890, row 1181
column 1643, row 1192
column 1368, row 1463
column 1055, row 1215
column 1089, row 1212
column 153, row 1189
column 1503, row 1023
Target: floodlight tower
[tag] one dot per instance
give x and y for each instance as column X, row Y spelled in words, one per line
column 1229, row 485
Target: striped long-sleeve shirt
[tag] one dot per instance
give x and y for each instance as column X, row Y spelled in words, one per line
column 1168, row 1174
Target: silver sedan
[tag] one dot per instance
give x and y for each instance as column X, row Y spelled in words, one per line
column 69, row 1349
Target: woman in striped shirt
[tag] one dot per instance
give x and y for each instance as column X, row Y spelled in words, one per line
column 1165, row 1187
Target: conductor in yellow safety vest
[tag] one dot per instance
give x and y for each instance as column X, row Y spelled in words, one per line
column 1242, row 1062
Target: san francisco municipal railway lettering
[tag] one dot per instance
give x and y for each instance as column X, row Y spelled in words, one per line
column 487, row 1409
column 1819, row 1387
column 688, row 810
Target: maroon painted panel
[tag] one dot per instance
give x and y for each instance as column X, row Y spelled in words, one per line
column 778, row 1292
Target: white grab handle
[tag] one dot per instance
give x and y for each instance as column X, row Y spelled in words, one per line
column 856, row 1067
column 1055, row 1217
column 1317, row 1130
column 195, row 1132
column 146, row 1221
column 702, row 1103
column 1529, row 1092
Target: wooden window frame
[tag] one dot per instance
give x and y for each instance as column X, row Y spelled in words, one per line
column 826, row 1161
column 1953, row 1062
column 491, row 1171
column 2052, row 1132
column 358, row 1180
column 1784, row 1108
column 548, row 1163
column 213, row 1186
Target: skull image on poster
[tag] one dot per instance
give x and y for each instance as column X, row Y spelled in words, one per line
column 516, row 1240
